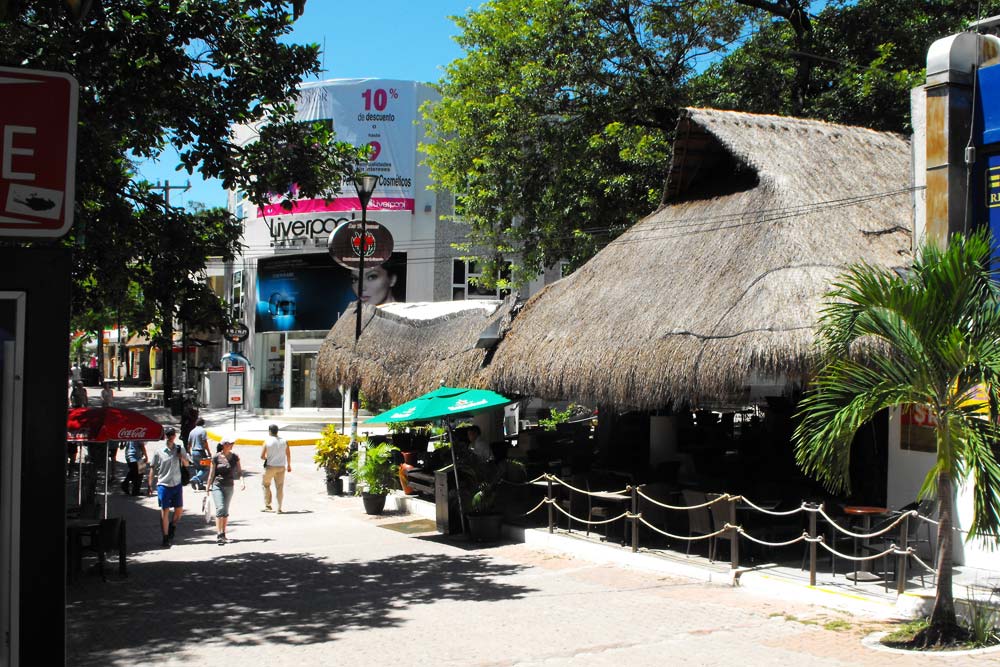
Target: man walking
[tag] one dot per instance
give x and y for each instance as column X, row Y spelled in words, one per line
column 135, row 452
column 197, row 444
column 166, row 468
column 277, row 457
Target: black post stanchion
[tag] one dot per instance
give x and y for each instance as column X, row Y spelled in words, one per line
column 548, row 481
column 901, row 558
column 635, row 519
column 734, row 536
column 812, row 547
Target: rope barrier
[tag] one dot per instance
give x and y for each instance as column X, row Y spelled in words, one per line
column 689, row 538
column 773, row 512
column 750, row 537
column 530, row 482
column 836, row 553
column 861, row 535
column 535, row 508
column 591, row 523
column 588, row 493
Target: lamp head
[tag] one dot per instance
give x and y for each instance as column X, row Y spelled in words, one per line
column 365, row 186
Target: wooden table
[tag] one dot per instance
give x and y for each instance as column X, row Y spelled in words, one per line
column 866, row 512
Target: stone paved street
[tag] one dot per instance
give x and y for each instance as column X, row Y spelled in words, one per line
column 324, row 584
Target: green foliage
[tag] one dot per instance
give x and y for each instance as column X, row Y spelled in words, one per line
column 983, row 620
column 481, row 481
column 557, row 417
column 928, row 339
column 332, row 451
column 862, row 58
column 375, row 472
column 553, row 129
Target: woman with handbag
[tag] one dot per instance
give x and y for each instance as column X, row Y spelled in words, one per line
column 225, row 469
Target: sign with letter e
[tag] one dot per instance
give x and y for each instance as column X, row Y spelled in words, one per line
column 37, row 152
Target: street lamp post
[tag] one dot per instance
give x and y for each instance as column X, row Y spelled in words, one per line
column 364, row 184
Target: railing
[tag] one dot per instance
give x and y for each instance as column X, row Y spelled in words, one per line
column 735, row 530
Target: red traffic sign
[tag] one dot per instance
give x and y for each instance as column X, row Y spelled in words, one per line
column 37, row 152
column 346, row 245
column 236, row 369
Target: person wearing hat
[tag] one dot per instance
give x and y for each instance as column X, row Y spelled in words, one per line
column 277, row 457
column 222, row 474
column 166, row 469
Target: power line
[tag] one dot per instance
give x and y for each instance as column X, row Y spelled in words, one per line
column 673, row 227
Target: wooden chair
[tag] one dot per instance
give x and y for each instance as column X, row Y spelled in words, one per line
column 699, row 520
column 109, row 537
column 603, row 510
column 720, row 517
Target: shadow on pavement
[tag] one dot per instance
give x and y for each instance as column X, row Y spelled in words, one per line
column 266, row 598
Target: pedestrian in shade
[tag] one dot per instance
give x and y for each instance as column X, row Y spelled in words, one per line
column 135, row 453
column 166, row 469
column 224, row 471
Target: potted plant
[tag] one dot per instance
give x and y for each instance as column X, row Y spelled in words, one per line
column 374, row 471
column 332, row 451
column 481, row 485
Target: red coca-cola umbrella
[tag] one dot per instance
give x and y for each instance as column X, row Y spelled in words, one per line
column 109, row 425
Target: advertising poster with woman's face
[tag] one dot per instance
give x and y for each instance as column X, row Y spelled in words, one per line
column 310, row 292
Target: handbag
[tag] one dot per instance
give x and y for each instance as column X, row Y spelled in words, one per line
column 208, row 508
column 185, row 473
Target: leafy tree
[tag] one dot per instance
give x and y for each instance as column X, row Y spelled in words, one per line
column 866, row 56
column 554, row 127
column 178, row 72
column 931, row 338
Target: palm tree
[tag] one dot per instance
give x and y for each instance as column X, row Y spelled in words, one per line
column 929, row 338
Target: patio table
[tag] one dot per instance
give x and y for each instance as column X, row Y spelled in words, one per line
column 866, row 512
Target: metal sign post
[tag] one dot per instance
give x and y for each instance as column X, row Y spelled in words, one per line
column 234, row 375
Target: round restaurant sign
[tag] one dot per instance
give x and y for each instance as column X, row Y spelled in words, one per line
column 347, row 247
column 237, row 332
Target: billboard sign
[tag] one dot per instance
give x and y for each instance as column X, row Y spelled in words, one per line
column 378, row 113
column 37, row 152
column 347, row 246
column 309, row 292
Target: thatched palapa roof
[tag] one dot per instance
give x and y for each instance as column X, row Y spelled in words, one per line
column 725, row 281
column 408, row 349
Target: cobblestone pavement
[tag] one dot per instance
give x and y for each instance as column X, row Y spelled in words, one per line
column 325, row 584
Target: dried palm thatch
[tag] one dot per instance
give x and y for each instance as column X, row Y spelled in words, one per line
column 402, row 353
column 725, row 282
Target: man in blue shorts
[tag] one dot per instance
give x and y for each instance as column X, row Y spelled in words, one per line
column 166, row 468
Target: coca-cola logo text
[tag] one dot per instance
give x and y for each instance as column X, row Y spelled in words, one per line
column 137, row 433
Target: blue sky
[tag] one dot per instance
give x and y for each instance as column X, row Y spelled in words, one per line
column 387, row 39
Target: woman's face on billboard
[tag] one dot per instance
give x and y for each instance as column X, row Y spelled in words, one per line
column 376, row 286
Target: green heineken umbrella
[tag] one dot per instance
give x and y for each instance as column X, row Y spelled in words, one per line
column 442, row 403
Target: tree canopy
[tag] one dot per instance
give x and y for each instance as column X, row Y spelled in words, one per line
column 154, row 73
column 554, row 130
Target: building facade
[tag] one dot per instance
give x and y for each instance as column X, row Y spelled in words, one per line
column 287, row 289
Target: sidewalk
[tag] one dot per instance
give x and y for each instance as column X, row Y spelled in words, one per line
column 324, row 584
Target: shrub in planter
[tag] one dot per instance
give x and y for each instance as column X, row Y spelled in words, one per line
column 331, row 455
column 375, row 472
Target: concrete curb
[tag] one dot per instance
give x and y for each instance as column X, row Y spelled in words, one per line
column 309, row 440
column 874, row 642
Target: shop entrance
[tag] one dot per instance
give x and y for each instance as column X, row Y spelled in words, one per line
column 301, row 377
